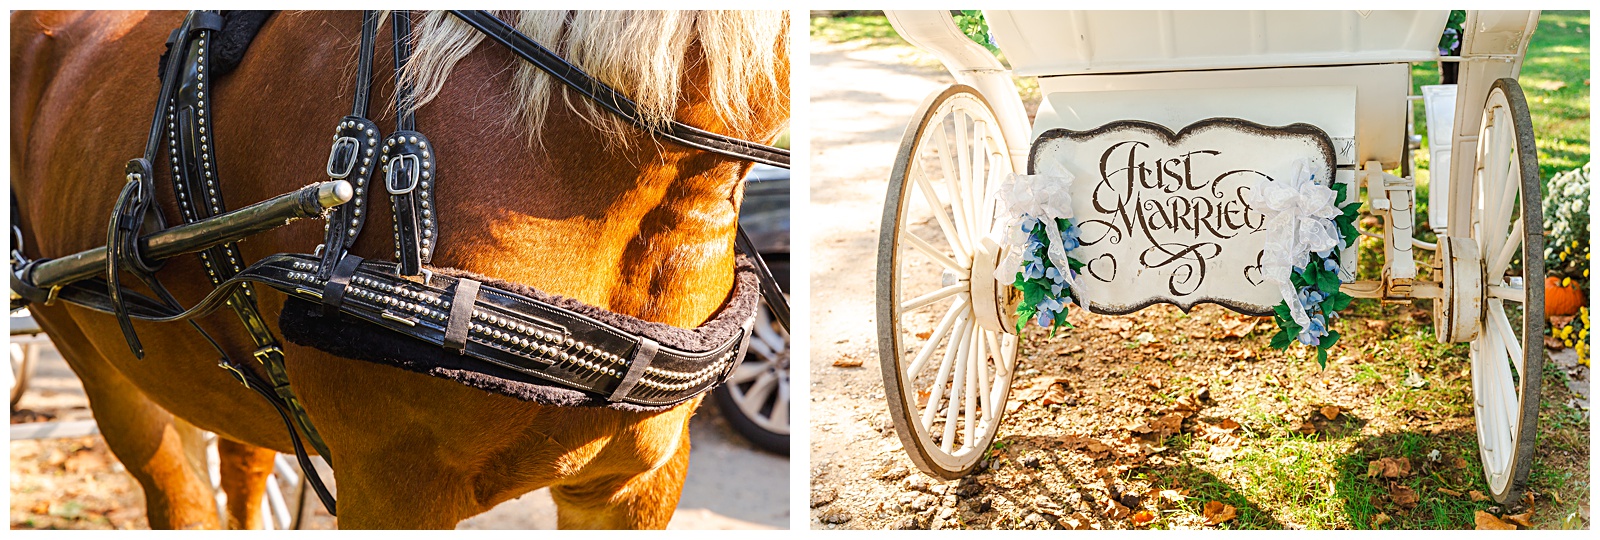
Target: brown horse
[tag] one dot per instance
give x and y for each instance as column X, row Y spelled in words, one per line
column 559, row 197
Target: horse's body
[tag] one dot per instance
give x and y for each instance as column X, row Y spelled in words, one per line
column 620, row 222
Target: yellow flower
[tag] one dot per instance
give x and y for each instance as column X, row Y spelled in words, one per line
column 1566, row 282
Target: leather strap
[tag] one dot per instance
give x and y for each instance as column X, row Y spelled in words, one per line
column 369, row 36
column 461, row 308
column 684, row 134
column 338, row 282
column 642, row 356
column 351, row 158
column 409, row 174
column 408, row 168
column 769, row 284
column 184, row 111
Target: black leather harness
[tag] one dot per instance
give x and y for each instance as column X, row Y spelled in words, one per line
column 614, row 358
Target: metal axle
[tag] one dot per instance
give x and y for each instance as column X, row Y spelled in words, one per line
column 309, row 201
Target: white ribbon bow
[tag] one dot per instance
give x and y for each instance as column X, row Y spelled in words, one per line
column 1046, row 196
column 1299, row 221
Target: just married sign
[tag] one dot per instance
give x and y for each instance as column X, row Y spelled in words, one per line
column 1167, row 217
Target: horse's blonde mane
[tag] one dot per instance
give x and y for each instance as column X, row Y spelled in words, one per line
column 639, row 53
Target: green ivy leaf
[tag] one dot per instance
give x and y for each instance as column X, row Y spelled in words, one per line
column 1282, row 339
column 1336, row 302
column 1328, row 340
column 1327, row 281
column 1322, row 358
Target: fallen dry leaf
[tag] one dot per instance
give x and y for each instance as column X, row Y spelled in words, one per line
column 1142, row 517
column 1076, row 521
column 1403, row 496
column 1173, row 495
column 1477, row 496
column 1162, row 427
column 1220, row 433
column 1115, row 510
column 1217, row 513
column 1487, row 522
column 924, row 335
column 1230, row 327
column 1379, row 519
column 1241, row 354
column 1306, row 428
column 922, row 397
column 1458, row 463
column 846, row 361
column 1522, row 519
column 1389, row 468
column 1450, row 492
column 1330, row 412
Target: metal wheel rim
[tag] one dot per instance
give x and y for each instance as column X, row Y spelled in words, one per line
column 760, row 386
column 1506, row 368
column 943, row 441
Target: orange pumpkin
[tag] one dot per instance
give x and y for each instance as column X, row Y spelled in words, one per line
column 1561, row 301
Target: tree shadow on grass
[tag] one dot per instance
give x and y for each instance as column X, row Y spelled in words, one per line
column 1456, row 469
column 1205, row 487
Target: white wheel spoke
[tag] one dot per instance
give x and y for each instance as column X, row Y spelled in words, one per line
column 958, row 308
column 935, row 296
column 1002, row 368
column 952, row 179
column 1496, row 232
column 1502, row 323
column 946, row 223
column 937, row 391
column 974, row 366
column 1507, row 292
column 957, row 383
column 985, row 400
column 976, row 179
column 1508, row 249
column 933, row 253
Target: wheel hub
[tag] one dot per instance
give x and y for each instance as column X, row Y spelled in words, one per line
column 994, row 306
column 1457, row 316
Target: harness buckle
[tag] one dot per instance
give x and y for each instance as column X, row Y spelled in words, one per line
column 342, row 147
column 233, row 370
column 265, row 354
column 411, row 173
column 426, row 274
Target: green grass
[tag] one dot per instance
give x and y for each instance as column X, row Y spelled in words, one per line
column 1555, row 79
column 867, row 29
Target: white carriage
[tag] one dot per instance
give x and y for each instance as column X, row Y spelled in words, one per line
column 947, row 331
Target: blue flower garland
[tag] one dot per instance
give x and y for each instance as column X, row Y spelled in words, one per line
column 1045, row 293
column 1318, row 285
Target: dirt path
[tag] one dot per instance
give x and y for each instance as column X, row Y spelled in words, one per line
column 76, row 483
column 861, row 99
column 1160, row 419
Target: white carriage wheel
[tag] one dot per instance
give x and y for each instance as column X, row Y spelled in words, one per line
column 1508, row 352
column 947, row 363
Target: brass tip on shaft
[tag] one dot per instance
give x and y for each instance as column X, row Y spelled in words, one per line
column 335, row 193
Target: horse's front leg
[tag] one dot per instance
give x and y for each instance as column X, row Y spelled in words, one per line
column 645, row 499
column 245, row 468
column 162, row 452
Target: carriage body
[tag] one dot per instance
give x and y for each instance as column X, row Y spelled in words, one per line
column 1346, row 74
